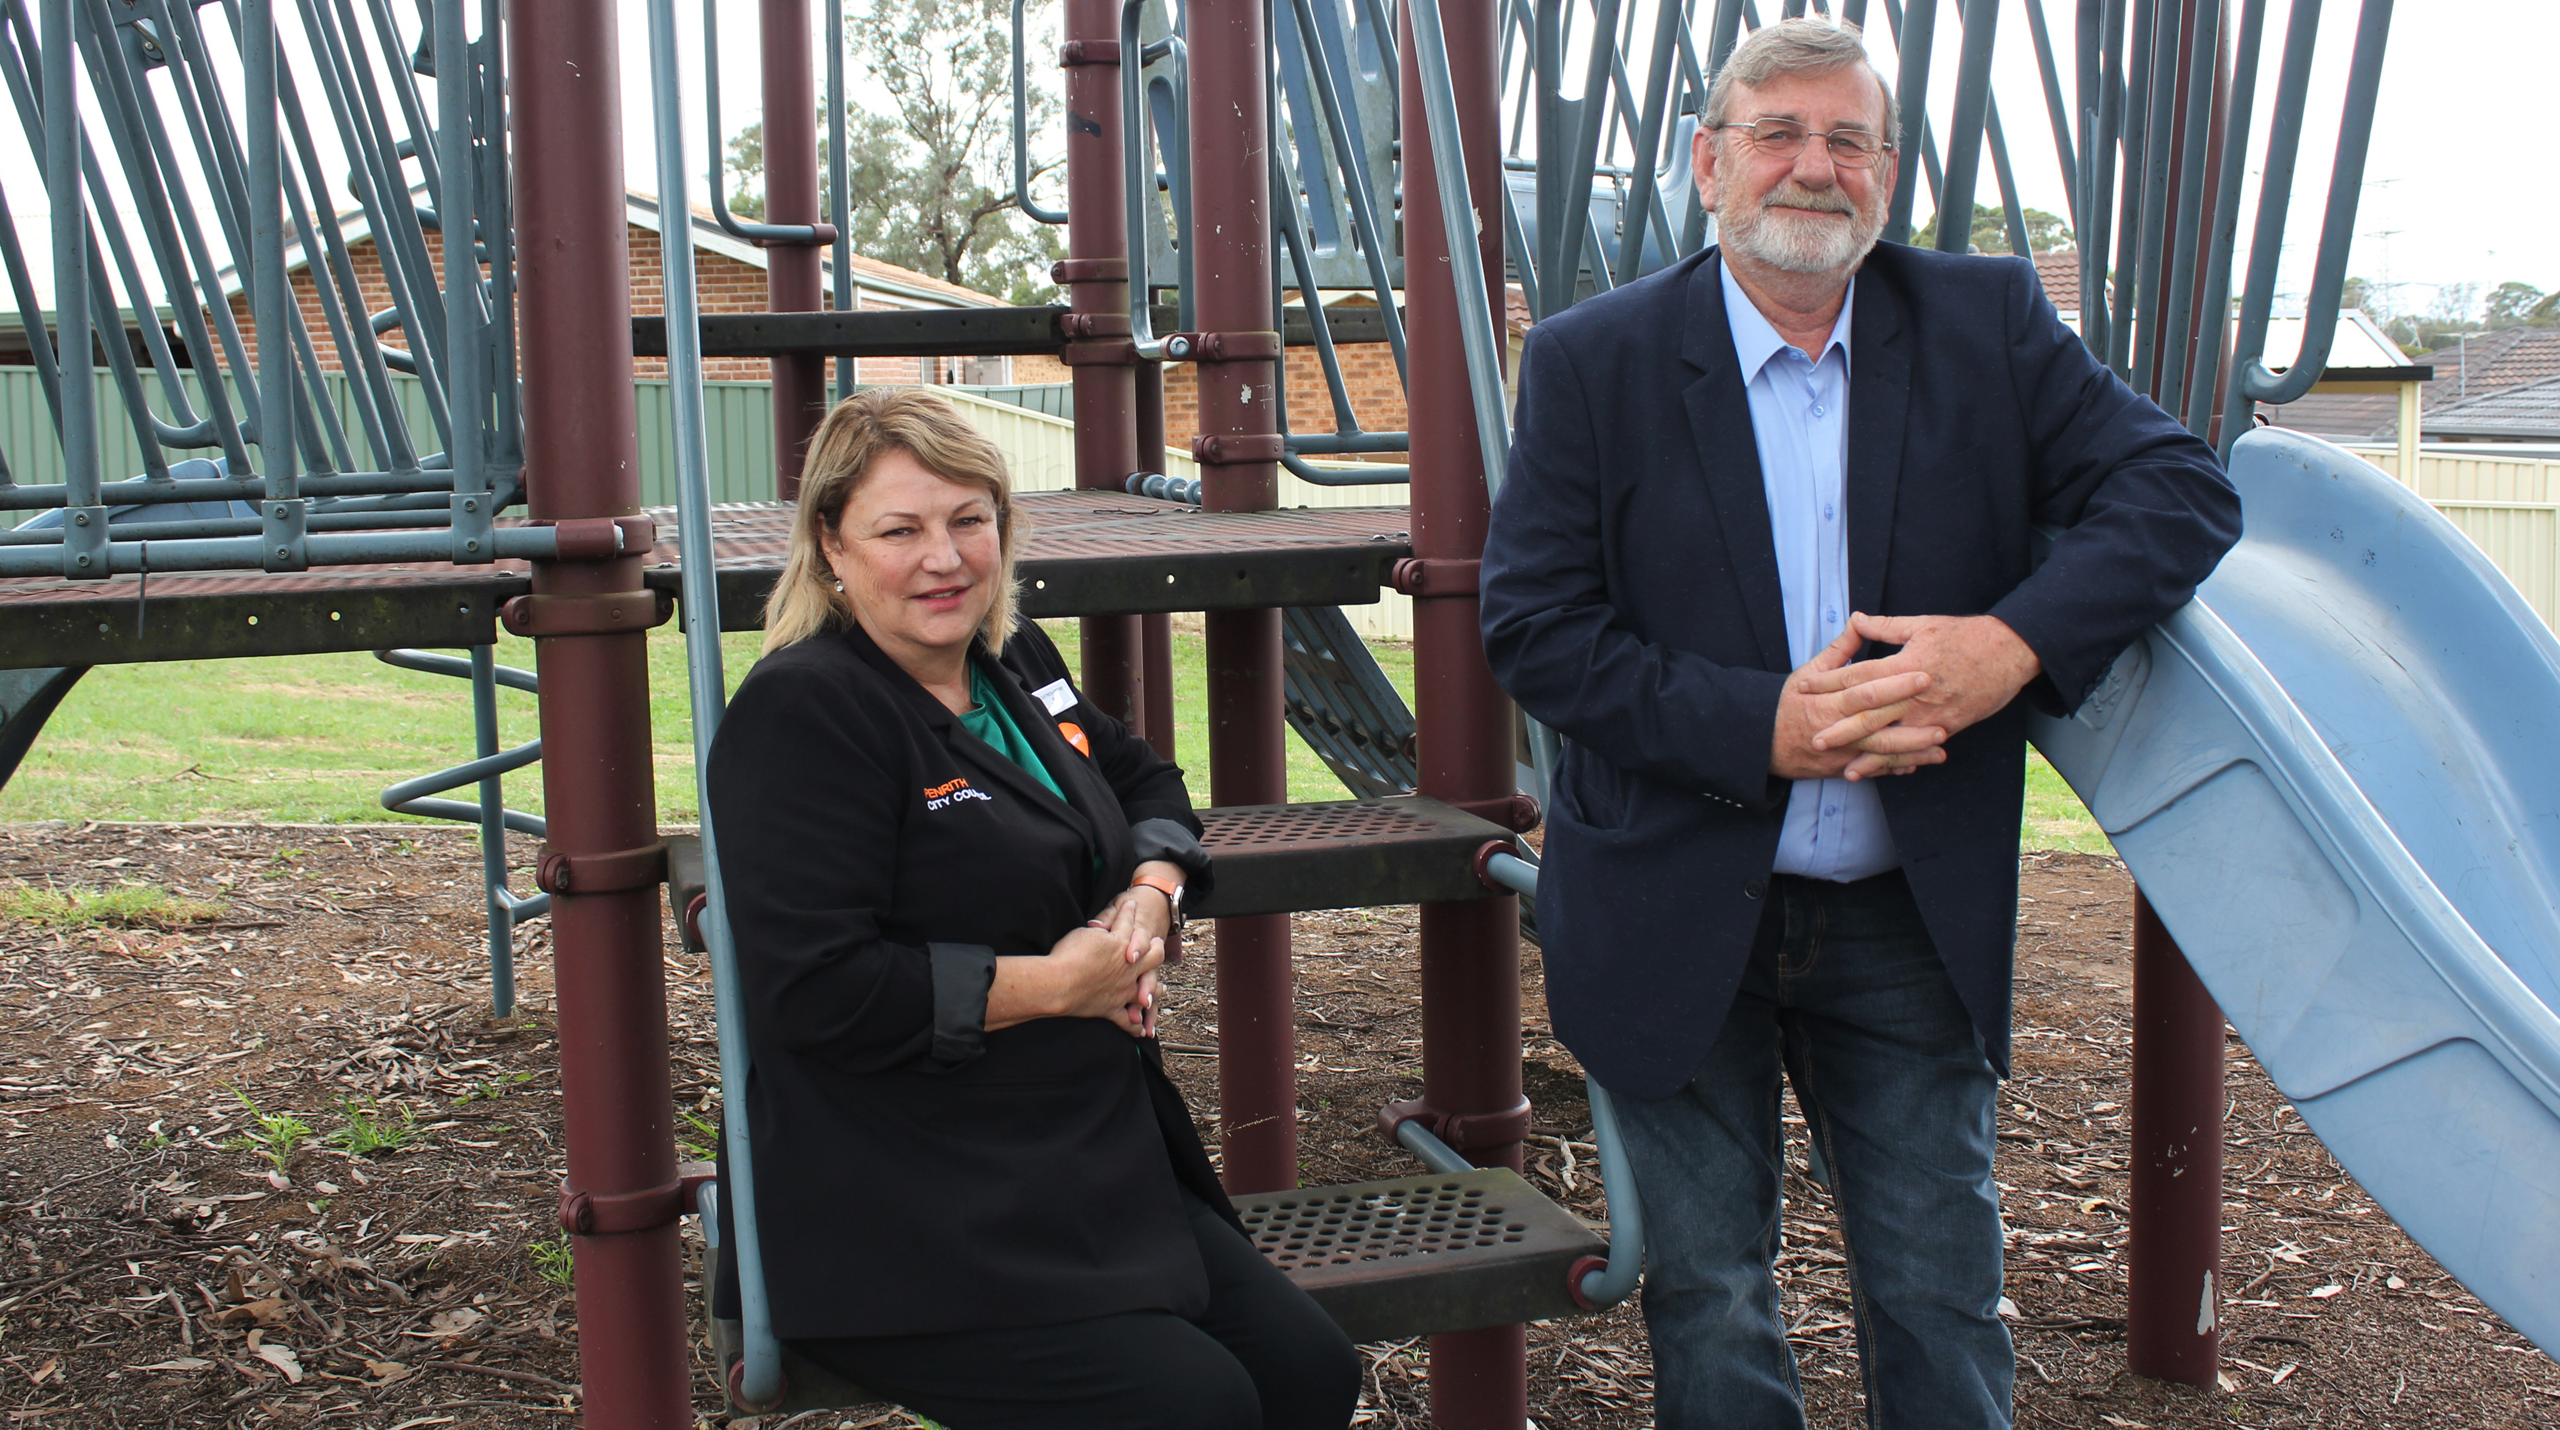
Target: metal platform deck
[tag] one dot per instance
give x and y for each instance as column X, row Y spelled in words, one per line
column 1088, row 553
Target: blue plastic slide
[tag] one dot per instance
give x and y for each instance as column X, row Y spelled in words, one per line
column 2337, row 777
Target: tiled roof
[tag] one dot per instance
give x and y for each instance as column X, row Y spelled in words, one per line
column 2059, row 272
column 2489, row 362
column 2339, row 416
column 2468, row 374
column 2528, row 412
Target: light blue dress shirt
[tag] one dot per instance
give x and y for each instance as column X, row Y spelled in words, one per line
column 1800, row 416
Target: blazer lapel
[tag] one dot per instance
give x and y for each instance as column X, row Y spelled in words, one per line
column 1729, row 459
column 1041, row 729
column 1879, row 401
column 976, row 752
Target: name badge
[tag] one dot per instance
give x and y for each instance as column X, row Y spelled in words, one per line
column 1055, row 696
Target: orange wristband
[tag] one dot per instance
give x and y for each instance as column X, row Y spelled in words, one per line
column 1172, row 892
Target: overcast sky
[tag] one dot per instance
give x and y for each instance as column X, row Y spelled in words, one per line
column 2450, row 193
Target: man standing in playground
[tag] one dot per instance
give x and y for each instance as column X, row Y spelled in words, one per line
column 1731, row 481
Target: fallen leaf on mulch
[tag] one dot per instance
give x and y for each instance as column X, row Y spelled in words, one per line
column 270, row 1311
column 283, row 1360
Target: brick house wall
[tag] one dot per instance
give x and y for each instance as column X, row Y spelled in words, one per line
column 724, row 285
column 1040, row 368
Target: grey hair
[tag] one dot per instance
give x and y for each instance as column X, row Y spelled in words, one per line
column 1797, row 46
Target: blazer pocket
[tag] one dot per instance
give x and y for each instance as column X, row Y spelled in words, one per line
column 1596, row 793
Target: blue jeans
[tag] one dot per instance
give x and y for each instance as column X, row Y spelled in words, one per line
column 1845, row 991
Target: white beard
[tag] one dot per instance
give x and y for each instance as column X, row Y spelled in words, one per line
column 1793, row 242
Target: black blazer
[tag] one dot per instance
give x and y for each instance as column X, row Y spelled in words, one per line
column 1631, row 601
column 915, row 1173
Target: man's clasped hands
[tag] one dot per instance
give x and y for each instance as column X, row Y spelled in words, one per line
column 1840, row 717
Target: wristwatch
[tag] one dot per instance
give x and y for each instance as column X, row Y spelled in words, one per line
column 1172, row 892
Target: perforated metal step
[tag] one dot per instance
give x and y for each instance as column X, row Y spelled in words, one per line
column 1342, row 854
column 1424, row 1255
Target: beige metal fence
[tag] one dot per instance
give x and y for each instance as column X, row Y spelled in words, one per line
column 1042, row 451
column 2508, row 506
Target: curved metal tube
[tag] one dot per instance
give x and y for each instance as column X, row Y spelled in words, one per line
column 1439, row 1156
column 1379, row 476
column 496, row 821
column 1022, row 136
column 1137, row 183
column 2206, row 390
column 730, row 224
column 2337, row 234
column 1615, row 1282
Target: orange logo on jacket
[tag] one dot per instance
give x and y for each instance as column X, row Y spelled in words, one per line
column 951, row 792
column 1075, row 736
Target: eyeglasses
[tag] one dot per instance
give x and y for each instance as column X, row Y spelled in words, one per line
column 1785, row 139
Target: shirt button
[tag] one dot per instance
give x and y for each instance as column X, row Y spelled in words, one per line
column 1817, row 409
column 1831, row 809
column 1831, row 615
column 1827, row 511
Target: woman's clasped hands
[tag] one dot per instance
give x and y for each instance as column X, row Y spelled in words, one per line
column 1108, row 970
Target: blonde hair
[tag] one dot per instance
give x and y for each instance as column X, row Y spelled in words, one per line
column 849, row 442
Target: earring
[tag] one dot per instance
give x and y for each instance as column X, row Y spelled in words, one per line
column 839, row 585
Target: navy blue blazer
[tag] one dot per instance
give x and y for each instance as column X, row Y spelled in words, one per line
column 1631, row 601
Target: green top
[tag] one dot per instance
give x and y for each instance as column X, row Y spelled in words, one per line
column 991, row 722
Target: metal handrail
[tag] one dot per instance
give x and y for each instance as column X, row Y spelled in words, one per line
column 1610, row 1284
column 730, row 224
column 496, row 821
column 758, row 1384
column 1137, row 185
column 2337, row 234
column 1022, row 135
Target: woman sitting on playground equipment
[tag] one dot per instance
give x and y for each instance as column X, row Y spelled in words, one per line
column 950, row 879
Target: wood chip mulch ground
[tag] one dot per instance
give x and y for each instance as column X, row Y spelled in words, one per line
column 267, row 1160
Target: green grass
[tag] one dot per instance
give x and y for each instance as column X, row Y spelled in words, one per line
column 296, row 739
column 554, row 1261
column 369, row 1131
column 2054, row 817
column 130, row 906
column 278, row 1134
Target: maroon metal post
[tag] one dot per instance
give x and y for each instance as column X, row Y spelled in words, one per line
column 1470, row 950
column 582, row 462
column 1096, row 275
column 793, row 279
column 2173, row 1320
column 1239, row 449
